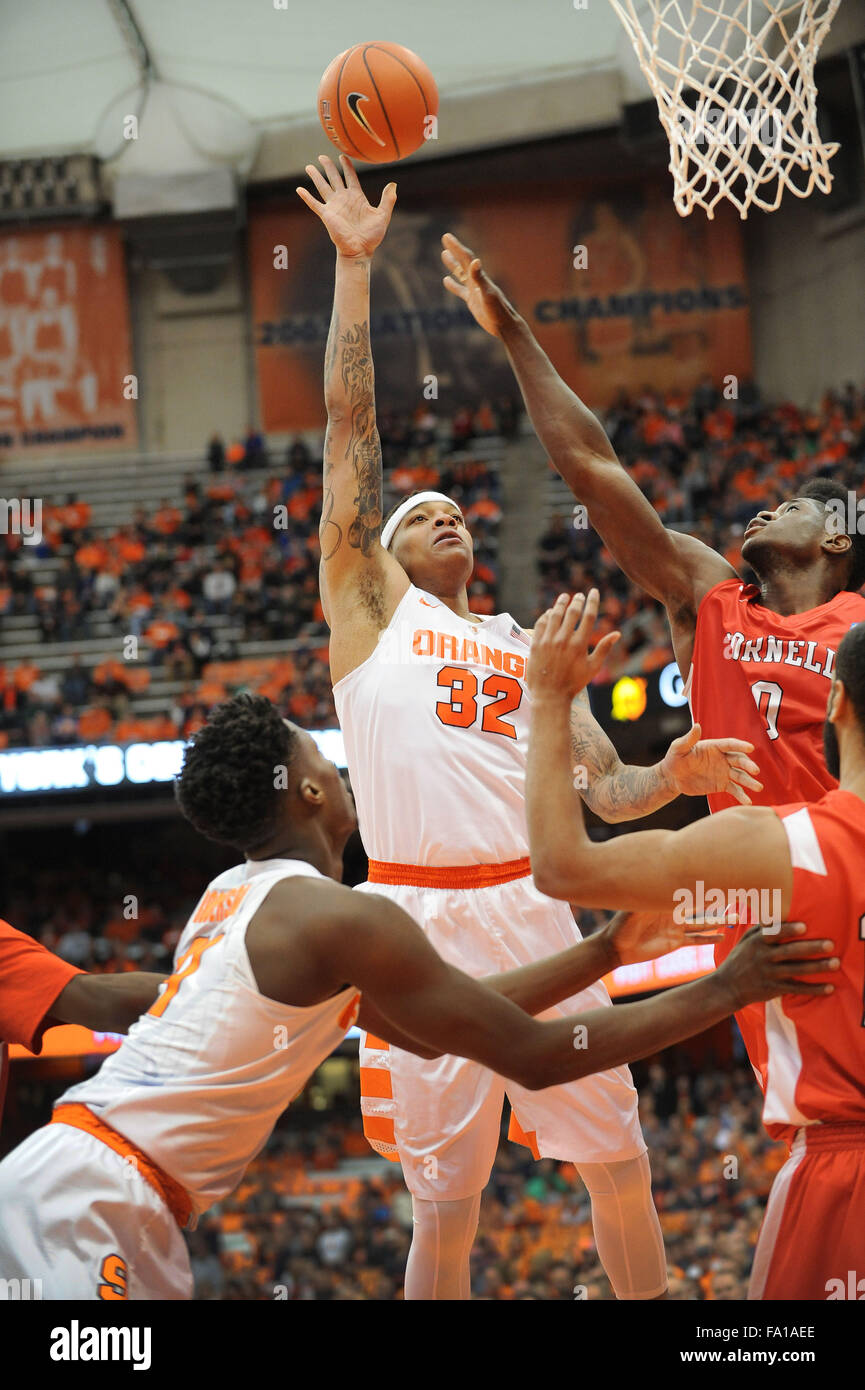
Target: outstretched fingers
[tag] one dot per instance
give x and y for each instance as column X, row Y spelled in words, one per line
column 461, row 254
column 311, row 202
column 589, row 611
column 560, row 626
column 388, row 197
column 324, row 188
column 602, row 650
column 348, row 172
column 738, row 793
column 740, row 771
column 334, row 177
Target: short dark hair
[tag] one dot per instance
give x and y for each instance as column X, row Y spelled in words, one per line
column 850, row 668
column 227, row 785
column 825, row 490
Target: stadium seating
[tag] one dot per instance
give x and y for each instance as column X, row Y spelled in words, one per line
column 130, row 622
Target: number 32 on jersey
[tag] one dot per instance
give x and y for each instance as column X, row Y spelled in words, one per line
column 471, row 701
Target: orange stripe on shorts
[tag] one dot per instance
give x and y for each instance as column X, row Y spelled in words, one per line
column 173, row 1195
column 379, row 1133
column 518, row 1135
column 375, row 1082
column 456, row 876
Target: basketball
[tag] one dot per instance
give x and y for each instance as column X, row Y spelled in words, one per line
column 374, row 101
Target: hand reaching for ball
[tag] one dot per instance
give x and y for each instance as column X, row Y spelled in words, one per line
column 355, row 226
column 468, row 280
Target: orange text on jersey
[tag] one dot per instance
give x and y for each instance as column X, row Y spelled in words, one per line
column 219, row 903
column 447, row 647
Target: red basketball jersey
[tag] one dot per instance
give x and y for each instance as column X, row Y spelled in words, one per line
column 31, row 978
column 759, row 676
column 809, row 1050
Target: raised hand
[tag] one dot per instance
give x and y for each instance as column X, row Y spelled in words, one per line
column 354, row 225
column 470, row 283
column 698, row 766
column 560, row 663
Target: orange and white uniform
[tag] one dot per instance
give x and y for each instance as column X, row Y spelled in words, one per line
column 94, row 1202
column 436, row 726
column 809, row 1055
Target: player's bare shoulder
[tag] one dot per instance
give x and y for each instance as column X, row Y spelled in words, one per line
column 291, row 937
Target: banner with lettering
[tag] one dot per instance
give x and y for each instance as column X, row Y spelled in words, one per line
column 620, row 291
column 65, row 346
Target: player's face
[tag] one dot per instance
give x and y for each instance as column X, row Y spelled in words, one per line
column 338, row 806
column 434, row 548
column 796, row 527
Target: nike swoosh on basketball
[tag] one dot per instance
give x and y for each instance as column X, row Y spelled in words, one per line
column 353, row 101
column 426, row 603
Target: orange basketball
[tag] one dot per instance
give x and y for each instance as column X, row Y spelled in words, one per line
column 374, row 100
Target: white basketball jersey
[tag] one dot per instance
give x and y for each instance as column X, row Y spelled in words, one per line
column 436, row 730
column 201, row 1078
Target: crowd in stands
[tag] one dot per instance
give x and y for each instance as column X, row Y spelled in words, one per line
column 235, row 561
column 708, row 465
column 102, row 918
column 305, row 1225
column 400, row 433
column 180, row 590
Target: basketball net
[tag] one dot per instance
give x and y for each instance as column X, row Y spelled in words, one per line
column 734, row 83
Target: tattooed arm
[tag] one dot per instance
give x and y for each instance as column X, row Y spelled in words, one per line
column 614, row 790
column 692, row 766
column 361, row 584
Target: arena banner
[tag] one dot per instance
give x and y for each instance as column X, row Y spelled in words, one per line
column 65, row 347
column 621, row 292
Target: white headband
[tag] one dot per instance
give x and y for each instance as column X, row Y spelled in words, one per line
column 409, row 505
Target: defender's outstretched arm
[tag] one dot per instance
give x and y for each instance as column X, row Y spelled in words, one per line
column 676, row 569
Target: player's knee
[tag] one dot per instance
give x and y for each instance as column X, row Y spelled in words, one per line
column 628, row 1179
